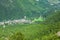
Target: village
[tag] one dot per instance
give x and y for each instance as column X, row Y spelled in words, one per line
column 21, row 21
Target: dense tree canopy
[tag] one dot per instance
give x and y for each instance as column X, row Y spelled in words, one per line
column 16, row 9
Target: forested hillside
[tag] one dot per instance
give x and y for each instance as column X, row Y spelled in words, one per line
column 55, row 17
column 16, row 9
column 53, row 24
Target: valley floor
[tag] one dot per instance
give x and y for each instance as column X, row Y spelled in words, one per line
column 30, row 31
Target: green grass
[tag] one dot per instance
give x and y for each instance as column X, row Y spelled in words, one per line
column 31, row 31
column 26, row 29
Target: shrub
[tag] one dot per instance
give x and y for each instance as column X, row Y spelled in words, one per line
column 17, row 36
column 50, row 37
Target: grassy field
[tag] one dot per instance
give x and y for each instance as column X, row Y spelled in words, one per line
column 31, row 31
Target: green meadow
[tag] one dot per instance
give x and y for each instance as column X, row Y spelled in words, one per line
column 30, row 32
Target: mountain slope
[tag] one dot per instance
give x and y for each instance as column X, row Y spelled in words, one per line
column 55, row 17
column 16, row 9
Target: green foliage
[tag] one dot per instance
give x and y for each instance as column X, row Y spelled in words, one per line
column 17, row 36
column 16, row 9
column 55, row 17
column 50, row 37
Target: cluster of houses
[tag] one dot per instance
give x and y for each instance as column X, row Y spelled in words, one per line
column 12, row 22
column 19, row 21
